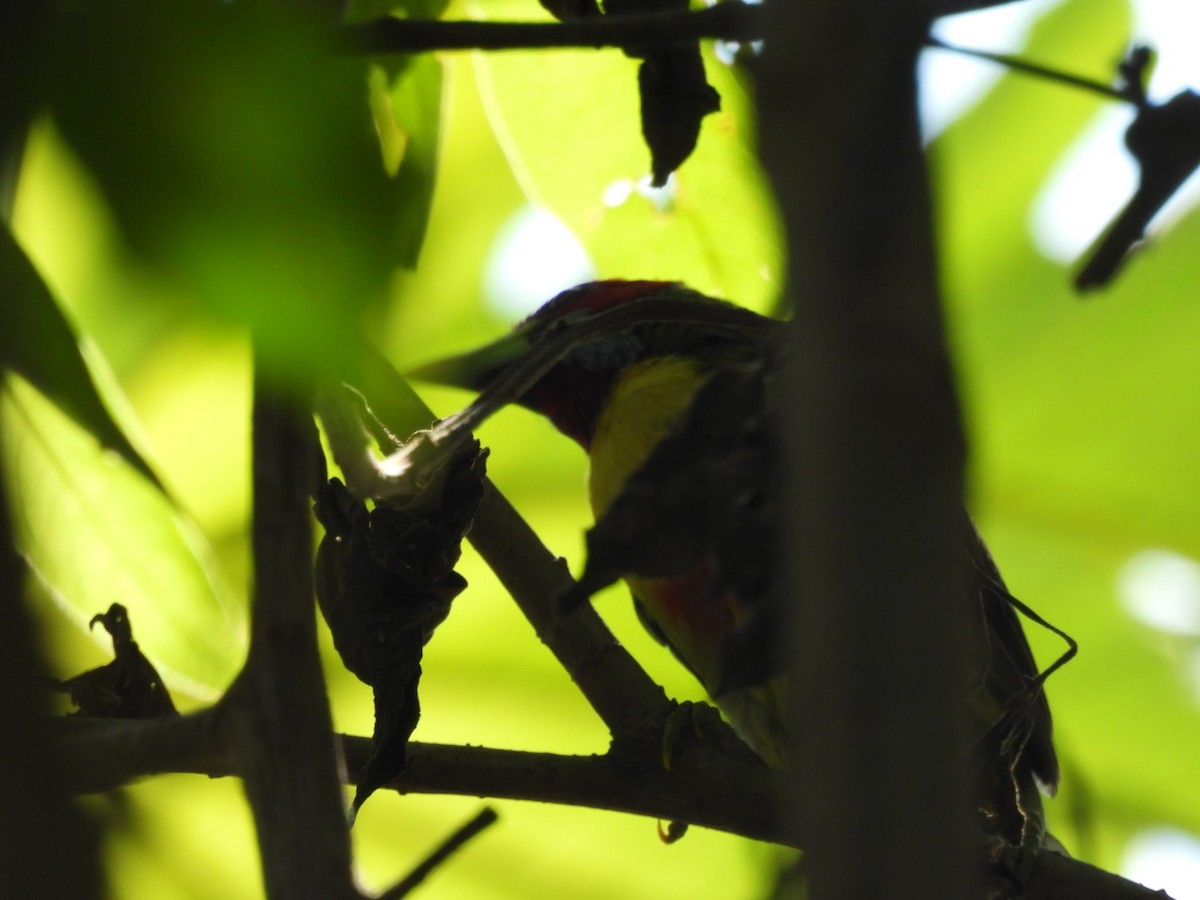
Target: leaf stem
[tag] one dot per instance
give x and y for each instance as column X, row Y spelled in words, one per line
column 1017, row 64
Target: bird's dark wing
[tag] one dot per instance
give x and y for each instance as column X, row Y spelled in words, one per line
column 1010, row 674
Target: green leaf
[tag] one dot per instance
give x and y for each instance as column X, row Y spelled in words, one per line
column 1084, row 437
column 39, row 343
column 406, row 103
column 405, row 94
column 570, row 126
column 236, row 151
column 992, row 161
column 95, row 533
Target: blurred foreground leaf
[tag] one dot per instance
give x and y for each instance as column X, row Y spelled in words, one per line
column 406, row 97
column 238, row 156
column 406, row 102
column 94, row 532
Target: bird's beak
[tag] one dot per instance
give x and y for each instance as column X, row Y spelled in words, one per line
column 476, row 369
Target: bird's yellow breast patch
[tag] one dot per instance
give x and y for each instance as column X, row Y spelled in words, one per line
column 646, row 402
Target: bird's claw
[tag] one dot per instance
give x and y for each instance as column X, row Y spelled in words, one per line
column 688, row 715
column 1012, row 862
column 672, row 831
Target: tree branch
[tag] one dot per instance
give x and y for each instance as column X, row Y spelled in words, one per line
column 734, row 21
column 102, row 754
column 729, row 21
column 275, row 718
column 1058, row 877
column 628, row 701
column 704, row 786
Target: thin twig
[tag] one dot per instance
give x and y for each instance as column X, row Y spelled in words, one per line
column 704, row 786
column 451, row 845
column 733, row 21
column 939, row 8
column 1017, row 64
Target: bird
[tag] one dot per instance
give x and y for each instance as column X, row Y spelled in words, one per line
column 671, row 394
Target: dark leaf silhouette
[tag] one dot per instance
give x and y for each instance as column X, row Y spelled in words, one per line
column 385, row 580
column 675, row 94
column 129, row 687
column 1165, row 141
column 675, row 99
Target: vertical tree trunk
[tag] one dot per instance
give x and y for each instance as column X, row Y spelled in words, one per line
column 877, row 457
column 280, row 725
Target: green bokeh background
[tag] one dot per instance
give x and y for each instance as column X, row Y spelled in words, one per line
column 1084, row 426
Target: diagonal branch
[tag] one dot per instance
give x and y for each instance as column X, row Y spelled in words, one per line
column 485, row 818
column 618, row 689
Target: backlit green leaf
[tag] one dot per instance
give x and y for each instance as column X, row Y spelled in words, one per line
column 94, row 532
column 569, row 123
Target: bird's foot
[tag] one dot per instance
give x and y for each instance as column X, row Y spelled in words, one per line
column 1010, row 863
column 672, row 831
column 696, row 721
column 692, row 716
